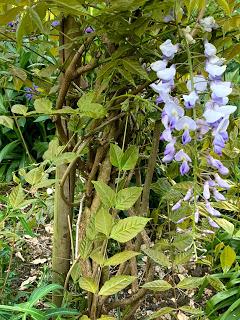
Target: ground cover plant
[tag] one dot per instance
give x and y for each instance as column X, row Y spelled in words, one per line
column 119, row 159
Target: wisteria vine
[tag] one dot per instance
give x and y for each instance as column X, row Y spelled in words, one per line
column 179, row 116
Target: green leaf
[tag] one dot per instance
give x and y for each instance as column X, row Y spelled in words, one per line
column 36, row 314
column 6, row 121
column 116, row 155
column 36, row 19
column 115, row 284
column 190, row 283
column 34, row 176
column 19, row 109
column 85, row 248
column 130, row 158
column 128, row 228
column 88, row 108
column 106, row 194
column 103, row 317
column 76, row 272
column 65, row 157
column 187, row 309
column 53, row 313
column 134, row 67
column 225, row 6
column 40, row 293
column 104, row 222
column 88, row 284
column 8, row 149
column 229, row 313
column 52, row 151
column 183, row 241
column 158, row 285
column 157, row 256
column 216, row 283
column 24, row 27
column 43, row 105
column 127, row 197
column 227, row 258
column 159, row 313
column 97, row 256
column 16, row 197
column 120, row 257
column 85, row 318
column 182, row 258
column 226, row 225
column 126, row 75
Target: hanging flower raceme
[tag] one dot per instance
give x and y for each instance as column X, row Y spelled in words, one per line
column 214, row 119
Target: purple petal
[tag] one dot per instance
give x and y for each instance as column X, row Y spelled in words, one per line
column 196, row 216
column 168, row 49
column 221, row 182
column 199, row 82
column 177, row 205
column 184, row 168
column 210, row 49
column 167, row 74
column 211, row 210
column 166, row 135
column 214, row 70
column 89, row 30
column 218, row 165
column 55, row 23
column 221, row 89
column 206, row 191
column 159, row 65
column 182, row 156
column 188, row 195
column 212, row 116
column 218, row 196
column 213, row 223
column 186, row 138
column 190, row 100
column 186, row 123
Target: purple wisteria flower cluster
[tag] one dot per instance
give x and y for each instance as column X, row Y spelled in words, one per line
column 177, row 117
column 30, row 92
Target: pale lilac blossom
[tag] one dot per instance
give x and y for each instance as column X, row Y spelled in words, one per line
column 190, row 99
column 167, row 74
column 177, row 205
column 218, row 165
column 188, row 195
column 169, row 152
column 199, row 84
column 158, row 65
column 187, row 124
column 196, row 216
column 221, row 89
column 221, row 182
column 55, row 23
column 208, row 23
column 217, row 195
column 215, row 70
column 212, row 223
column 216, row 60
column 211, row 210
column 181, row 156
column 206, row 190
column 168, row 49
column 210, row 49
